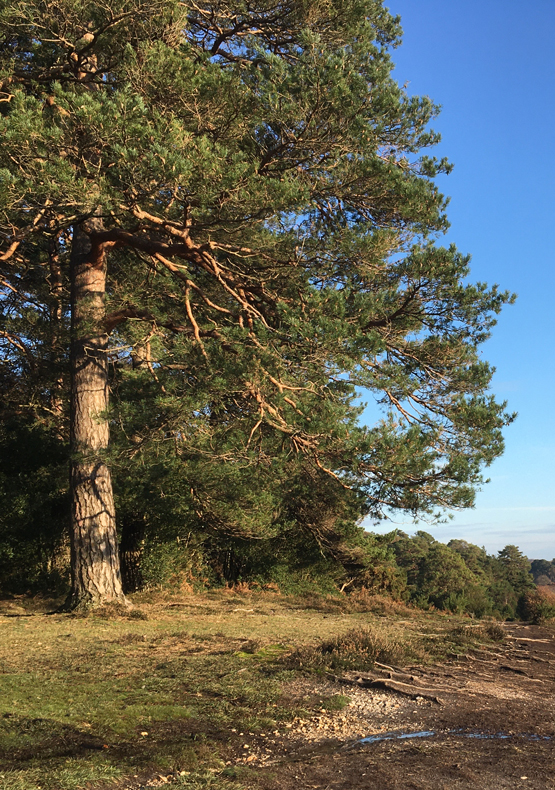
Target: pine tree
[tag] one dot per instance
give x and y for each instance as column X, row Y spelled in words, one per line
column 236, row 198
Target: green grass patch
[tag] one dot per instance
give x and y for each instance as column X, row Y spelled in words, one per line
column 88, row 702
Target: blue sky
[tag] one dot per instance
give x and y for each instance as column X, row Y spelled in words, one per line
column 491, row 65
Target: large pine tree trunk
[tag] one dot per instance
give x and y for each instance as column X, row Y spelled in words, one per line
column 95, row 569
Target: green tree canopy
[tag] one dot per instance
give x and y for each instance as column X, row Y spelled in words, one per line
column 255, row 185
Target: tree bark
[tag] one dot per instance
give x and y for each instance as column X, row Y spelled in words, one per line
column 95, row 568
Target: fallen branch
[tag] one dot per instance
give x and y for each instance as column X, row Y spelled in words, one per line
column 414, row 692
column 400, row 688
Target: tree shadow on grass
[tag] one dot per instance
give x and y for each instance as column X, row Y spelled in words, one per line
column 44, row 749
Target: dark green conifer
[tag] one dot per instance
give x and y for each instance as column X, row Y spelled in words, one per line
column 252, row 181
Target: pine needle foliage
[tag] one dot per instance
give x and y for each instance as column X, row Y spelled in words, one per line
column 265, row 198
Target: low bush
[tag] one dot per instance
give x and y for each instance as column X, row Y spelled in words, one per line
column 493, row 631
column 538, row 607
column 489, row 631
column 357, row 649
column 365, row 601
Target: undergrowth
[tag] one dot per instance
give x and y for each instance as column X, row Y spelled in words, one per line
column 490, row 631
column 357, row 649
column 360, row 601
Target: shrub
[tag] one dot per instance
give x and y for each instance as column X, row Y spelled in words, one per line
column 468, row 634
column 364, row 601
column 538, row 607
column 357, row 649
column 494, row 631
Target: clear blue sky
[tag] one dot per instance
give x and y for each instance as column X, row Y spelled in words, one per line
column 491, row 65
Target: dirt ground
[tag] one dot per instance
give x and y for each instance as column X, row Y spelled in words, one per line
column 489, row 720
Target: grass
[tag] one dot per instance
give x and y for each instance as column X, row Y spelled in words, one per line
column 357, row 649
column 178, row 687
column 465, row 634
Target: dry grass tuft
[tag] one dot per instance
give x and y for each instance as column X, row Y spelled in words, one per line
column 252, row 646
column 357, row 649
column 489, row 631
column 364, row 601
column 494, row 631
column 360, row 601
column 108, row 611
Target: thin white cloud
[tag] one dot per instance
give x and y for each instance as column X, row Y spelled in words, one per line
column 535, row 508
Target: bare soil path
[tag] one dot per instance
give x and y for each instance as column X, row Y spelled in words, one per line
column 490, row 715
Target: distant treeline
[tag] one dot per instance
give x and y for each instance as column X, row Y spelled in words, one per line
column 543, row 571
column 462, row 577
